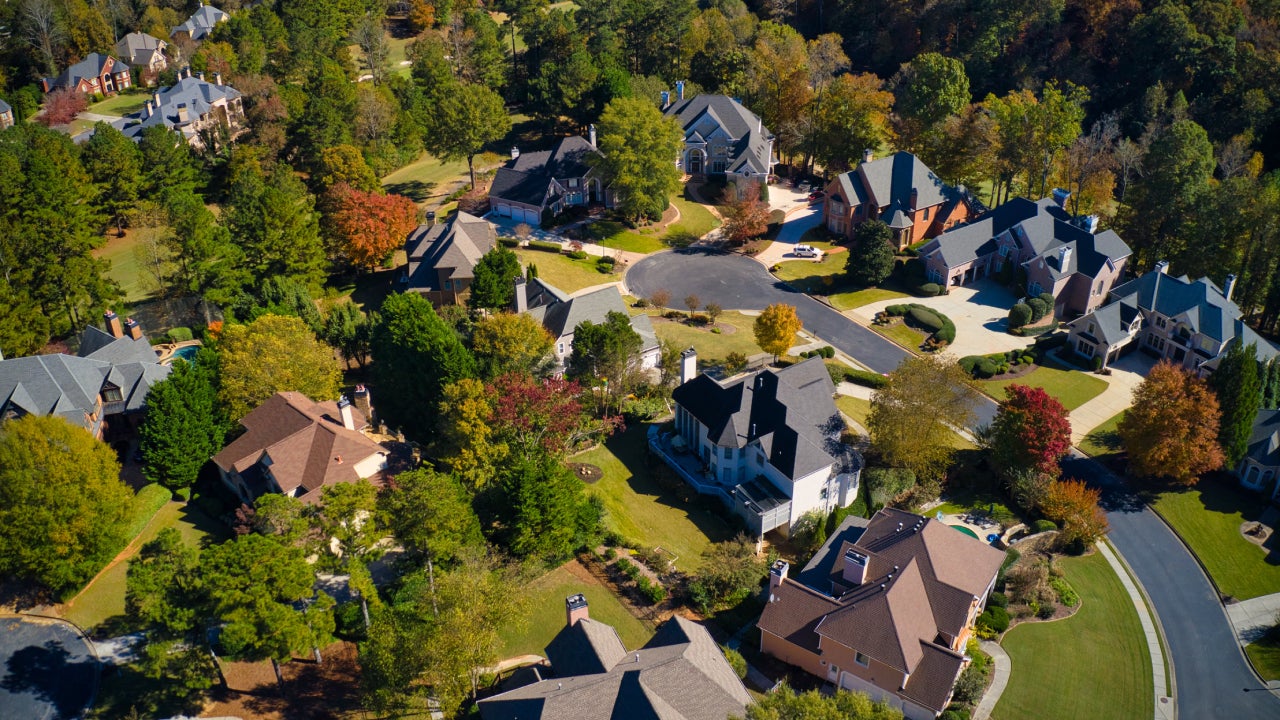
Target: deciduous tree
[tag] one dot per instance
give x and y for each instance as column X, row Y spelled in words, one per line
column 913, row 415
column 637, row 144
column 536, row 416
column 926, row 91
column 871, row 254
column 466, row 437
column 1074, row 506
column 273, row 354
column 1030, row 431
column 510, row 342
column 776, row 329
column 468, row 117
column 184, row 426
column 608, row 351
column 370, row 225
column 786, row 704
column 348, row 329
column 746, row 217
column 1239, row 392
column 731, row 570
column 1171, row 430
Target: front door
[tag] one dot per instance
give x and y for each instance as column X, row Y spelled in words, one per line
column 695, row 163
column 833, row 672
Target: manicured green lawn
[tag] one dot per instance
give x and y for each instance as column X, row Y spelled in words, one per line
column 856, row 408
column 1208, row 518
column 103, row 599
column 564, row 272
column 430, row 177
column 120, row 105
column 810, row 276
column 695, row 221
column 126, row 257
column 901, row 333
column 1092, row 665
column 1103, row 441
column 736, row 335
column 546, row 614
column 984, row 501
column 857, row 298
column 1265, row 656
column 642, row 511
column 1072, row 388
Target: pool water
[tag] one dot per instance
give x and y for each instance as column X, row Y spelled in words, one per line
column 967, row 531
column 187, row 353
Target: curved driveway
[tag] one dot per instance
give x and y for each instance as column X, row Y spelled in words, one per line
column 1211, row 673
column 47, row 669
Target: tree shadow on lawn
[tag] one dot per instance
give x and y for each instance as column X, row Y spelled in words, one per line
column 1219, row 493
column 415, row 190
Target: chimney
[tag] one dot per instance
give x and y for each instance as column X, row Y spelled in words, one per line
column 182, row 113
column 778, row 573
column 575, row 609
column 1060, row 197
column 666, row 99
column 591, row 134
column 522, row 295
column 688, row 365
column 146, row 110
column 155, row 100
column 133, row 329
column 348, row 416
column 915, row 195
column 1229, row 286
column 515, row 152
column 363, row 402
column 200, row 76
column 868, row 155
column 855, row 567
column 1090, row 224
column 1064, row 257
column 113, row 324
column 679, row 89
column 217, row 78
column 1162, row 267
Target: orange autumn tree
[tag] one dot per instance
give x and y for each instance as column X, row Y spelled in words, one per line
column 1172, row 428
column 1074, row 506
column 368, row 225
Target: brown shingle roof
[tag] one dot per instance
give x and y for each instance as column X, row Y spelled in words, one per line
column 306, row 442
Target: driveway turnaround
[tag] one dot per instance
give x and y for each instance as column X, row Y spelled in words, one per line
column 1213, row 680
column 47, row 669
column 735, row 282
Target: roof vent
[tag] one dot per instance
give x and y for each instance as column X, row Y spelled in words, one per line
column 637, row 657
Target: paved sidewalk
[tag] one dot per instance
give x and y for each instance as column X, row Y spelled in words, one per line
column 1003, row 667
column 1251, row 618
column 1164, row 703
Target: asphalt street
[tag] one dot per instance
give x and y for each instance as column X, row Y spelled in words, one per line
column 47, row 670
column 1213, row 678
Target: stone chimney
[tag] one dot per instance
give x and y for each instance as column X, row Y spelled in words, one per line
column 1162, row 267
column 183, row 116
column 688, row 365
column 778, row 573
column 113, row 324
column 515, row 152
column 1060, row 197
column 348, row 415
column 666, row 99
column 854, row 567
column 575, row 609
column 591, row 134
column 146, row 110
column 1229, row 286
column 363, row 402
column 155, row 100
column 133, row 329
column 1064, row 257
column 868, row 155
column 522, row 295
column 679, row 89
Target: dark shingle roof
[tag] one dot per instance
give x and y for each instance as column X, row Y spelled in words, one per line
column 679, row 675
column 458, row 244
column 91, row 66
column 751, row 148
column 817, row 572
column 561, row 314
column 525, row 179
column 1264, row 443
column 138, row 48
column 890, row 180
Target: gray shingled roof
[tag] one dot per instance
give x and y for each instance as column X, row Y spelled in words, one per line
column 138, row 48
column 90, row 67
column 5, row 107
column 561, row 313
column 1264, row 443
column 201, row 22
column 751, row 148
column 967, row 242
column 817, row 572
column 525, row 179
column 890, row 180
column 789, row 412
column 191, row 92
column 458, row 244
column 680, row 674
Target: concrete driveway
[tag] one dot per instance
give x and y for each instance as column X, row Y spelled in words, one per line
column 47, row 669
column 1126, row 375
column 980, row 312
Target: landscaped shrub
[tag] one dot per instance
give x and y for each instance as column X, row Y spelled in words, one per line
column 958, row 713
column 998, row 599
column 652, row 591
column 1038, row 308
column 577, row 254
column 736, row 661
column 1019, row 315
column 1047, row 298
column 885, row 484
column 985, row 369
column 948, row 332
column 544, row 246
column 837, row 374
column 930, row 289
column 606, row 260
column 1037, row 330
column 828, row 352
column 1097, row 363
column 610, row 554
column 896, row 310
column 644, row 409
column 924, row 317
column 995, row 619
column 1066, row 594
column 508, row 242
column 180, row 334
column 1044, row 525
column 866, row 378
column 969, row 363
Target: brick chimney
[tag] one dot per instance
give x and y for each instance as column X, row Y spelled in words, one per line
column 348, row 416
column 688, row 365
column 575, row 609
column 155, row 100
column 133, row 329
column 183, row 116
column 363, row 402
column 200, row 76
column 113, row 324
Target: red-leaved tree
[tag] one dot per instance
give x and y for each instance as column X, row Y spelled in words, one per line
column 62, row 106
column 747, row 217
column 1074, row 506
column 1030, row 431
column 369, row 226
column 1172, row 428
column 542, row 415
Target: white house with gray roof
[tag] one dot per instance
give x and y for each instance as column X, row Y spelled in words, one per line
column 1189, row 323
column 197, row 109
column 200, row 24
column 1259, row 469
column 103, row 389
column 768, row 441
column 721, row 137
column 561, row 314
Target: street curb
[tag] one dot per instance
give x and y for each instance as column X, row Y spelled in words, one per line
column 1171, row 682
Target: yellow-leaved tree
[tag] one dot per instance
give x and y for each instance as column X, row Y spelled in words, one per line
column 776, row 328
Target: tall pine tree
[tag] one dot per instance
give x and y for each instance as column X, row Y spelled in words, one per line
column 184, row 425
column 1239, row 395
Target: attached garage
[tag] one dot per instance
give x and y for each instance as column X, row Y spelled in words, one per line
column 503, row 210
column 528, row 215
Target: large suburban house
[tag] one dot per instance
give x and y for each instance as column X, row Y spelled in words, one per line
column 442, row 258
column 102, row 389
column 1259, row 469
column 296, row 446
column 1061, row 255
column 143, row 51
column 886, row 607
column 680, row 674
column 561, row 314
column 6, row 115
column 1190, row 323
column 197, row 109
column 95, row 74
column 721, row 137
column 200, row 24
column 534, row 185
column 767, row 443
column 899, row 190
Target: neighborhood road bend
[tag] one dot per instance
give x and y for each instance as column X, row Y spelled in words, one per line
column 1213, row 678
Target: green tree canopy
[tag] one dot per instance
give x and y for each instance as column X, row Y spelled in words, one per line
column 273, row 354
column 114, row 164
column 926, row 91
column 468, row 116
column 786, row 704
column 912, row 416
column 430, row 512
column 273, row 218
column 871, row 254
column 493, row 287
column 609, row 350
column 638, row 147
column 1239, row 394
column 550, row 515
column 184, row 426
column 510, row 342
column 62, row 504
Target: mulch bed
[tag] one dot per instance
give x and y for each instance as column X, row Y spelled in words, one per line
column 328, row 690
column 586, row 472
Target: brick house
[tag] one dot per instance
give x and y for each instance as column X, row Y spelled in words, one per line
column 534, row 185
column 886, row 607
column 899, row 190
column 442, row 258
column 95, row 74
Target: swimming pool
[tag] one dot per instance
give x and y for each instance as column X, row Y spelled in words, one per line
column 187, row 353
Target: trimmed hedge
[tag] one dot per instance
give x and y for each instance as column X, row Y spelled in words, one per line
column 985, row 366
column 1038, row 308
column 866, row 378
column 1043, row 525
column 926, row 318
column 1035, row 331
column 930, row 289
column 577, row 254
column 995, row 619
column 545, row 246
column 508, row 242
column 940, row 325
column 1019, row 315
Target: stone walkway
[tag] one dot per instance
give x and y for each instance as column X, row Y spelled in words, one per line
column 1003, row 668
column 1165, row 708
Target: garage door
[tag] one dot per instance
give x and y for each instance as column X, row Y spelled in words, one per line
column 504, row 210
column 533, row 217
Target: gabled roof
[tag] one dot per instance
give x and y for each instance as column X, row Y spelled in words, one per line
column 456, row 245
column 5, row 107
column 1264, row 443
column 525, row 179
column 789, row 412
column 890, row 180
column 752, row 140
column 306, row 443
column 680, row 674
column 201, row 22
column 91, row 67
column 561, row 314
column 921, row 579
column 99, row 345
column 192, row 93
column 138, row 48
